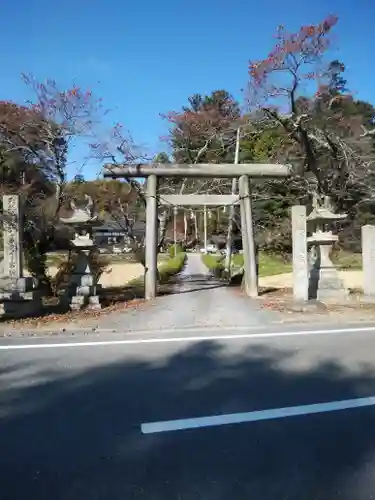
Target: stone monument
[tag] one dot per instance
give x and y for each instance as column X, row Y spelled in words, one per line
column 12, row 228
column 18, row 294
column 82, row 290
column 324, row 281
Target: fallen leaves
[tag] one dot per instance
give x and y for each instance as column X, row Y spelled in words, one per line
column 281, row 300
column 73, row 316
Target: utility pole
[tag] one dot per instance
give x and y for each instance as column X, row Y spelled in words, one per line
column 232, row 210
column 175, row 230
column 185, row 227
column 205, row 226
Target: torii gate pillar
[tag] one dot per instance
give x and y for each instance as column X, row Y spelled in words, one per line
column 151, row 238
column 248, row 240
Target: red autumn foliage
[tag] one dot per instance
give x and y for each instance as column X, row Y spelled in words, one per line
column 52, row 116
column 322, row 125
column 204, row 121
column 212, row 113
column 116, row 147
column 14, row 118
column 208, row 119
column 34, row 137
column 20, row 144
column 296, row 57
column 74, row 110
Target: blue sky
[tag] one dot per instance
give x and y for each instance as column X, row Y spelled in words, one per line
column 146, row 57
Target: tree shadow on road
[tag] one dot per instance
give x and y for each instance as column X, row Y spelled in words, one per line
column 70, row 434
column 175, row 285
column 191, row 283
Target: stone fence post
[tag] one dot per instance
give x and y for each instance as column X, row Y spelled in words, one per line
column 300, row 262
column 368, row 261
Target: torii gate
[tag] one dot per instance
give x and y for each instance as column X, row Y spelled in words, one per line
column 244, row 171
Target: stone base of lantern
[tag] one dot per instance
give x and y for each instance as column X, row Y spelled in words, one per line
column 82, row 284
column 325, row 283
column 88, row 301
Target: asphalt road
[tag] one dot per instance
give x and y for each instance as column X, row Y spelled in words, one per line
column 71, row 416
column 78, row 413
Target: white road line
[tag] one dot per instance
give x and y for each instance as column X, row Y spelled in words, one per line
column 196, row 338
column 254, row 416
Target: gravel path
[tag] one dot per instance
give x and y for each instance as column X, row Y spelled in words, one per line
column 199, row 300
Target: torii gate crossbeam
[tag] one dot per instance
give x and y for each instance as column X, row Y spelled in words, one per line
column 220, row 170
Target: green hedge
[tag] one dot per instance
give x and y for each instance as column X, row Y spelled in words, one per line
column 215, row 264
column 167, row 268
column 175, row 249
column 171, row 266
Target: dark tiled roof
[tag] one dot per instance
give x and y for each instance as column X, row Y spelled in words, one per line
column 119, row 226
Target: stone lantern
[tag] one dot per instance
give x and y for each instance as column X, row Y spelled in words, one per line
column 83, row 280
column 324, row 281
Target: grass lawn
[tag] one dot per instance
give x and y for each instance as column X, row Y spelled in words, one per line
column 347, row 260
column 271, row 264
column 54, row 259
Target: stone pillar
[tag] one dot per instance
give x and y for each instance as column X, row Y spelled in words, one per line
column 300, row 255
column 13, row 250
column 368, row 261
column 151, row 238
column 248, row 243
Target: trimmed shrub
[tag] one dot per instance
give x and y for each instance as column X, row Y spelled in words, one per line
column 172, row 266
column 175, row 249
